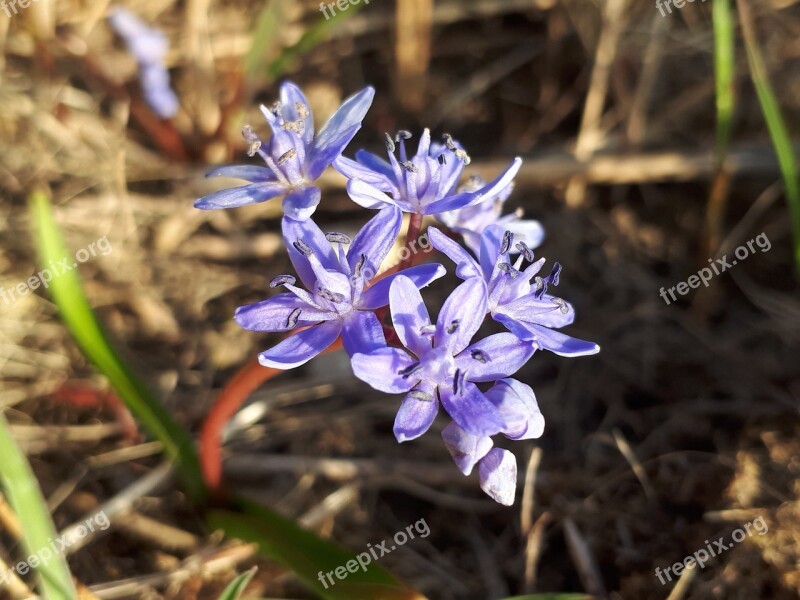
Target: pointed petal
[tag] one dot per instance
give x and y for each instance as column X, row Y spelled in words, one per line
column 498, row 476
column 308, row 232
column 377, row 295
column 301, row 347
column 466, row 266
column 375, row 239
column 252, row 173
column 375, row 163
column 409, row 315
column 273, row 314
column 240, row 196
column 465, row 199
column 465, row 448
column 547, row 311
column 554, row 341
column 291, row 95
column 494, row 357
column 380, row 369
column 517, row 404
column 415, row 416
column 362, row 333
column 472, row 410
column 462, row 315
column 491, row 240
column 338, row 131
column 301, row 204
column 368, row 196
column 354, row 170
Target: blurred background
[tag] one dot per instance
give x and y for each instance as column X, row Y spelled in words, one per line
column 641, row 161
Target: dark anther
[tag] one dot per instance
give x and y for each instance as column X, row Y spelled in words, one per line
column 294, row 316
column 480, row 356
column 303, row 248
column 442, row 160
column 409, row 370
column 555, row 274
column 402, row 135
column 360, row 264
column 508, row 239
column 290, row 153
column 329, row 295
column 456, row 381
column 453, row 326
column 337, row 238
column 282, row 280
column 409, row 166
column 527, row 252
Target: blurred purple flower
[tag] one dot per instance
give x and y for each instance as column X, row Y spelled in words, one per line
column 295, row 158
column 472, row 220
column 149, row 47
column 336, row 299
column 526, row 310
column 424, row 184
column 438, row 364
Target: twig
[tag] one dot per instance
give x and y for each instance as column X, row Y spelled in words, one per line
column 583, row 559
column 638, row 470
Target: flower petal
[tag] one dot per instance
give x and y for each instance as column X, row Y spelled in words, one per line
column 338, row 131
column 377, row 295
column 466, row 266
column 375, row 163
column 273, row 314
column 498, row 476
column 517, row 403
column 252, row 173
column 380, row 369
column 355, row 170
column 368, row 196
column 471, row 409
column 462, row 315
column 491, row 240
column 548, row 339
column 241, row 196
column 465, row 199
column 309, row 233
column 375, row 240
column 291, row 95
column 494, row 357
column 301, row 204
column 301, row 347
column 362, row 333
column 415, row 416
column 547, row 311
column 409, row 315
column 465, row 448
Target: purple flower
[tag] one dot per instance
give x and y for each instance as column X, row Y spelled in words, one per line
column 149, row 47
column 497, row 468
column 472, row 220
column 526, row 310
column 438, row 364
column 336, row 300
column 424, row 184
column 295, row 158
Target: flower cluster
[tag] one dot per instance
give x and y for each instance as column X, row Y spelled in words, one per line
column 432, row 363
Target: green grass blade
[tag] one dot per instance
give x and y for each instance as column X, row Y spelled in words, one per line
column 778, row 132
column 79, row 318
column 724, row 74
column 308, row 555
column 22, row 491
column 236, row 588
column 266, row 40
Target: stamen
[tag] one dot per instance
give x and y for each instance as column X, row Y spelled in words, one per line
column 389, row 143
column 538, row 283
column 448, row 141
column 276, row 108
column 303, row 248
column 462, row 156
column 427, row 330
column 296, row 126
column 480, row 356
column 360, row 264
column 559, row 302
column 403, row 134
column 290, row 153
column 508, row 239
column 252, row 140
column 334, row 297
column 409, row 370
column 420, row 395
column 525, row 250
column 302, row 109
column 453, row 326
column 456, row 381
column 294, row 316
column 337, row 238
column 555, row 274
column 442, row 160
column 282, row 280
column 409, row 166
